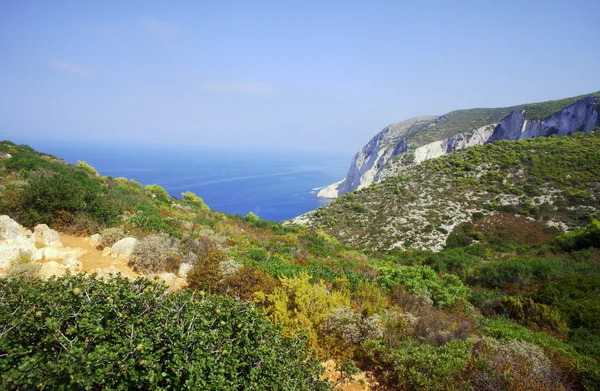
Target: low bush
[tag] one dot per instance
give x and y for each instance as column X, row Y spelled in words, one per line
column 79, row 332
column 206, row 273
column 154, row 254
column 111, row 236
column 24, row 268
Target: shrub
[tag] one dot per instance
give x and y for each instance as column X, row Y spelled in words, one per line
column 78, row 332
column 75, row 192
column 532, row 314
column 153, row 253
column 158, row 192
column 205, row 275
column 194, row 200
column 24, row 268
column 229, row 267
column 579, row 239
column 246, row 282
column 91, row 171
column 152, row 222
column 413, row 366
column 257, row 254
column 300, row 307
column 111, row 236
column 368, row 298
column 349, row 327
column 444, row 290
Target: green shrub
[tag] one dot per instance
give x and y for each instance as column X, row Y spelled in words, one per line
column 153, row 254
column 194, row 200
column 91, row 171
column 47, row 194
column 152, row 222
column 444, row 290
column 414, row 366
column 257, row 254
column 206, row 273
column 580, row 239
column 79, row 332
column 159, row 193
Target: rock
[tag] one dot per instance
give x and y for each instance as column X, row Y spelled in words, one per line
column 184, row 269
column 123, row 248
column 10, row 230
column 71, row 261
column 168, row 278
column 106, row 252
column 95, row 240
column 10, row 251
column 374, row 161
column 50, row 269
column 47, row 236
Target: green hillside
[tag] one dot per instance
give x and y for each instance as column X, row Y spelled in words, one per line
column 516, row 310
column 461, row 121
column 540, row 182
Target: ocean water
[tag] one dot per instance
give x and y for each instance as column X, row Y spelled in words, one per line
column 275, row 186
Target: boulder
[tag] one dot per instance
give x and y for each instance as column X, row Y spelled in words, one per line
column 95, row 240
column 50, row 269
column 184, row 269
column 47, row 236
column 70, row 261
column 10, row 230
column 123, row 248
column 10, row 251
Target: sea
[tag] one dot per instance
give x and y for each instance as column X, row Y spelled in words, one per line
column 275, row 186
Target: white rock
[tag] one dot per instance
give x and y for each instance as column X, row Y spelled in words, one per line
column 123, row 248
column 50, row 269
column 71, row 261
column 10, row 251
column 95, row 240
column 168, row 278
column 106, row 252
column 184, row 269
column 47, row 236
column 10, row 230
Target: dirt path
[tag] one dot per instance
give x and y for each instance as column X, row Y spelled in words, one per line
column 92, row 259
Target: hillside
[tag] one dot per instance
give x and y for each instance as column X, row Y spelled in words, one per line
column 538, row 183
column 421, row 138
column 265, row 303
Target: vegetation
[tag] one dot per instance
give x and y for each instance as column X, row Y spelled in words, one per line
column 83, row 333
column 506, row 300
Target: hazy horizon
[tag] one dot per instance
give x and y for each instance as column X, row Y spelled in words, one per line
column 311, row 77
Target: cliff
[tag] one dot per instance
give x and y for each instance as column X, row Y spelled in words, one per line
column 403, row 144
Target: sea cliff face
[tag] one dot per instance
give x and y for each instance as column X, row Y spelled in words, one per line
column 375, row 160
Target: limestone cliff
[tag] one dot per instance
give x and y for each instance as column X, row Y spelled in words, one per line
column 391, row 149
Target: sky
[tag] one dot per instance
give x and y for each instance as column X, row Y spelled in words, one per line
column 306, row 75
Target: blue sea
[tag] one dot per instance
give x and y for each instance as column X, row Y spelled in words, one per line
column 275, row 186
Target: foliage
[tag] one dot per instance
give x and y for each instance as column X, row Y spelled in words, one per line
column 246, row 282
column 85, row 167
column 24, row 267
column 205, row 275
column 194, row 200
column 532, row 314
column 47, row 194
column 152, row 222
column 414, row 366
column 111, row 236
column 300, row 307
column 158, row 192
column 444, row 290
column 580, row 239
column 153, row 254
column 79, row 332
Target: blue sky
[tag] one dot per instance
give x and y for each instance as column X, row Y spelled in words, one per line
column 299, row 75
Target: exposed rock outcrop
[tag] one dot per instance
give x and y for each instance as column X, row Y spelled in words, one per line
column 123, row 248
column 375, row 160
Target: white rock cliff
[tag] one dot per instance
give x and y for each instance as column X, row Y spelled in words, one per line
column 374, row 161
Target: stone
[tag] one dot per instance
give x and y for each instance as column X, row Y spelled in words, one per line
column 50, row 269
column 95, row 240
column 10, row 251
column 123, row 248
column 106, row 252
column 184, row 269
column 71, row 261
column 10, row 230
column 374, row 161
column 47, row 236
